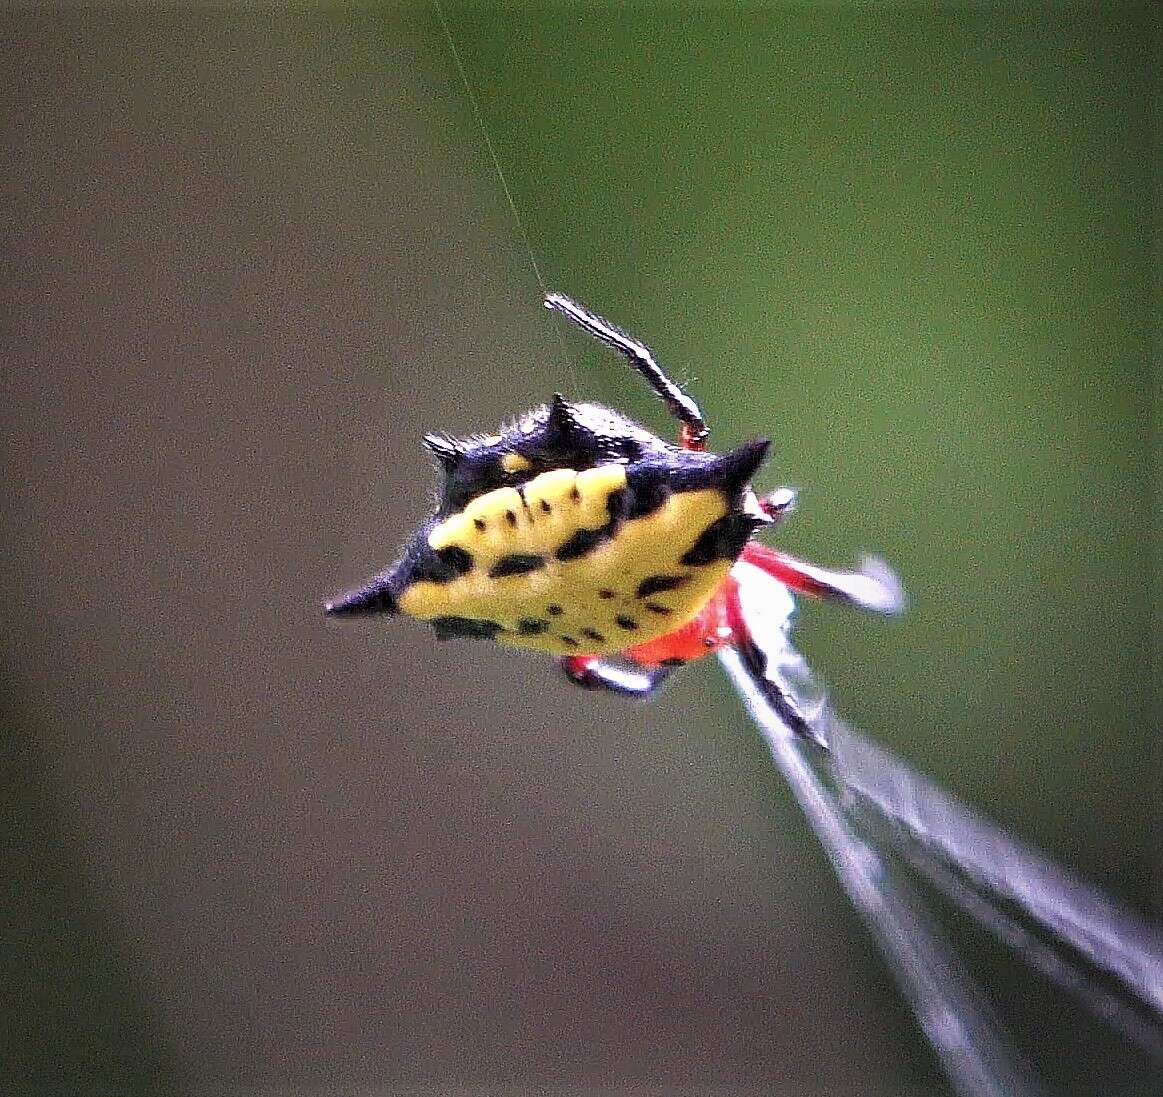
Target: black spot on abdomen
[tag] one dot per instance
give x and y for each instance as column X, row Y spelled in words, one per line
column 517, row 563
column 656, row 584
column 532, row 626
column 721, row 540
column 627, row 623
column 441, row 565
column 469, row 628
column 593, row 634
column 585, row 540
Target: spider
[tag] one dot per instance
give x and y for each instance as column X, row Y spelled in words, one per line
column 578, row 532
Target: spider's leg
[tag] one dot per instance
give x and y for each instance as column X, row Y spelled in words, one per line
column 786, row 706
column 778, row 504
column 589, row 672
column 874, row 587
column 694, row 431
column 779, row 670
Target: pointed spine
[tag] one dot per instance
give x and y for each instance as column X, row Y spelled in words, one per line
column 446, row 450
column 374, row 596
column 732, row 471
column 562, row 422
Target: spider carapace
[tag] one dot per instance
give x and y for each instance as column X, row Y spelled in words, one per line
column 579, row 533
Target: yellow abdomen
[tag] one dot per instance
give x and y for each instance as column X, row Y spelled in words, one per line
column 553, row 567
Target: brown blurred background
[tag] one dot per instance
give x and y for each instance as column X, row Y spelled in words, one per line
column 250, row 260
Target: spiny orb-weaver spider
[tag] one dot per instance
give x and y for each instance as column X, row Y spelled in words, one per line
column 578, row 532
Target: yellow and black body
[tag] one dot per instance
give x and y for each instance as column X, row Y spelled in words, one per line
column 574, row 531
column 578, row 532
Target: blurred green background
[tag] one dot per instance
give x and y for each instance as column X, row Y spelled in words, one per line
column 250, row 260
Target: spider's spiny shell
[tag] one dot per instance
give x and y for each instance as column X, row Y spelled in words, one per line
column 574, row 531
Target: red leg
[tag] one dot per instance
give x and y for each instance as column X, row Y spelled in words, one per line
column 693, row 431
column 690, row 438
column 589, row 672
column 874, row 587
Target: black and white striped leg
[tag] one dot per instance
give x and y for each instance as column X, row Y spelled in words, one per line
column 640, row 356
column 590, row 672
